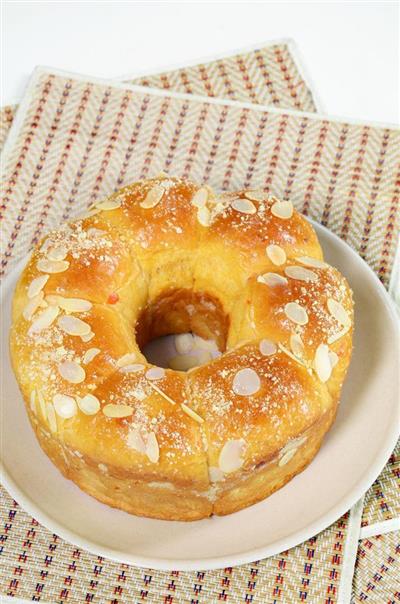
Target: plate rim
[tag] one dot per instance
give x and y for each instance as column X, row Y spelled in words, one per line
column 274, row 548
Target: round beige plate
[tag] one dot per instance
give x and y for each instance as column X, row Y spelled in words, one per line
column 353, row 454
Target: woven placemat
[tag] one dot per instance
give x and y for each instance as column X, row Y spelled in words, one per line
column 377, row 572
column 139, row 133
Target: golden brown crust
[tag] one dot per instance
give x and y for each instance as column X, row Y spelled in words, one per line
column 166, row 256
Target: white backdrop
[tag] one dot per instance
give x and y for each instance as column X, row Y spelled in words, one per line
column 350, row 49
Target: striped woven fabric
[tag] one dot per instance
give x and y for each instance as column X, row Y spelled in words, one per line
column 39, row 565
column 382, row 500
column 80, row 140
column 266, row 76
column 377, row 573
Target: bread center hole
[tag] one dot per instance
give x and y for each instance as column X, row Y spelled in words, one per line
column 181, row 329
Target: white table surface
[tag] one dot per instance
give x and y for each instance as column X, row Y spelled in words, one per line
column 350, row 50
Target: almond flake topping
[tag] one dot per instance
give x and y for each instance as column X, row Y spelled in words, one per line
column 126, row 359
column 334, row 359
column 230, row 457
column 133, row 368
column 267, row 347
column 215, row 474
column 52, row 266
column 338, row 335
column 246, row 382
column 322, row 363
column 204, row 216
column 71, row 372
column 36, row 286
column 74, row 304
column 192, row 414
column 300, row 273
column 162, row 393
column 64, row 405
column 290, row 354
column 32, row 306
column 272, row 279
column 244, row 206
column 200, row 198
column 296, row 345
column 73, row 326
column 312, row 262
column 90, row 355
column 338, row 312
column 44, row 320
column 282, row 209
column 51, row 417
column 296, row 313
column 135, row 441
column 152, row 448
column 276, row 254
column 42, row 404
column 155, row 373
column 88, row 337
column 109, row 204
column 153, row 197
column 258, row 195
column 57, row 253
column 117, row 411
column 287, row 457
column 89, row 404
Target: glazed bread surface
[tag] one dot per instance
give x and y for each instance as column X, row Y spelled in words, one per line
column 166, row 256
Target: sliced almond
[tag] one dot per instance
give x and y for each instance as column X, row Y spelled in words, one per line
column 155, row 373
column 192, row 414
column 133, row 368
column 296, row 345
column 338, row 335
column 200, row 198
column 296, row 313
column 152, row 448
column 215, row 474
column 153, row 197
column 126, row 359
column 52, row 266
column 244, row 206
column 267, row 348
column 117, row 411
column 74, row 304
column 338, row 312
column 44, row 320
column 322, row 363
column 162, row 393
column 272, row 279
column 246, row 382
column 89, row 404
column 287, row 457
column 94, row 232
column 204, row 216
column 88, row 337
column 230, row 457
column 32, row 306
column 36, row 286
column 57, row 253
column 32, row 401
column 109, row 204
column 258, row 195
column 312, row 262
column 300, row 274
column 51, row 418
column 135, row 441
column 65, row 406
column 73, row 326
column 90, row 355
column 282, row 209
column 183, row 362
column 71, row 372
column 276, row 254
column 293, row 443
column 42, row 405
column 290, row 354
column 334, row 359
column 184, row 343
